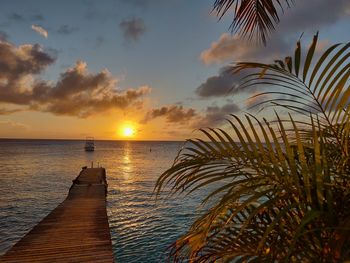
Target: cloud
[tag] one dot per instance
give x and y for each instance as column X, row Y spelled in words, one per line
column 16, row 17
column 309, row 16
column 13, row 125
column 215, row 116
column 40, row 30
column 4, row 111
column 300, row 18
column 66, row 29
column 77, row 92
column 132, row 28
column 82, row 94
column 16, row 66
column 231, row 48
column 178, row 134
column 220, row 85
column 37, row 17
column 172, row 113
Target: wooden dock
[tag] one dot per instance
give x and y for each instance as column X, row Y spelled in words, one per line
column 75, row 231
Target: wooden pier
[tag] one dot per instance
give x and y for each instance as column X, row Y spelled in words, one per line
column 75, row 231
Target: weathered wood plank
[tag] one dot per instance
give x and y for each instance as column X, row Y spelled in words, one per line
column 77, row 230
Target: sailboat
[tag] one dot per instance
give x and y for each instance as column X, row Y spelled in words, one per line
column 89, row 144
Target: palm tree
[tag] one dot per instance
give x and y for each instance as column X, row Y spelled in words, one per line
column 284, row 185
column 252, row 17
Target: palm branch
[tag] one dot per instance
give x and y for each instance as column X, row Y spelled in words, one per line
column 281, row 187
column 305, row 87
column 252, row 17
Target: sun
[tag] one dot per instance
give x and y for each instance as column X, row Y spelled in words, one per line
column 128, row 131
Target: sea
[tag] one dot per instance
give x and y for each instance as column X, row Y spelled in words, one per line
column 35, row 176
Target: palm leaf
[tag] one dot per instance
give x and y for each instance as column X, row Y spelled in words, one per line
column 321, row 90
column 252, row 17
column 279, row 190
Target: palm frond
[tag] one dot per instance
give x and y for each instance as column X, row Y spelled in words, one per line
column 280, row 189
column 275, row 197
column 322, row 90
column 252, row 17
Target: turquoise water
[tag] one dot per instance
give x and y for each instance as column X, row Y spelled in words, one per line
column 35, row 176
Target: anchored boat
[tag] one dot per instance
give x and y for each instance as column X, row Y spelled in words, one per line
column 89, row 144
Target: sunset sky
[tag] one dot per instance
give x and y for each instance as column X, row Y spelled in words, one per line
column 71, row 69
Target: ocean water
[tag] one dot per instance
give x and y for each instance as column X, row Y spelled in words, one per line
column 35, row 176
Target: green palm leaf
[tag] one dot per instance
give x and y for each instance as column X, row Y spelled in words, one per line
column 279, row 190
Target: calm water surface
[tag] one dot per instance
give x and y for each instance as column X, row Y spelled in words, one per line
column 35, row 176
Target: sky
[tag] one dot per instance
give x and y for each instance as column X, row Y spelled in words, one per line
column 71, row 69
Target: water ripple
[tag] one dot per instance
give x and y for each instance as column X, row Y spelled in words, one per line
column 35, row 177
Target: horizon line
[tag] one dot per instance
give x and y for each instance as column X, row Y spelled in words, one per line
column 72, row 139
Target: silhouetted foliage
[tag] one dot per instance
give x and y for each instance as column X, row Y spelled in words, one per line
column 252, row 17
column 284, row 191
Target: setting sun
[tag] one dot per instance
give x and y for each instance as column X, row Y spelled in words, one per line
column 128, row 131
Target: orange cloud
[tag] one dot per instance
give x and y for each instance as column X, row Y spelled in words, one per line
column 233, row 48
column 40, row 30
column 77, row 92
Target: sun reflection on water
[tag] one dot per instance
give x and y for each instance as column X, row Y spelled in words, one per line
column 127, row 167
column 141, row 229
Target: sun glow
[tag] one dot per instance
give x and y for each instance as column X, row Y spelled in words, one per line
column 128, row 131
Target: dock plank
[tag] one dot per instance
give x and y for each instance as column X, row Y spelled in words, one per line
column 77, row 230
